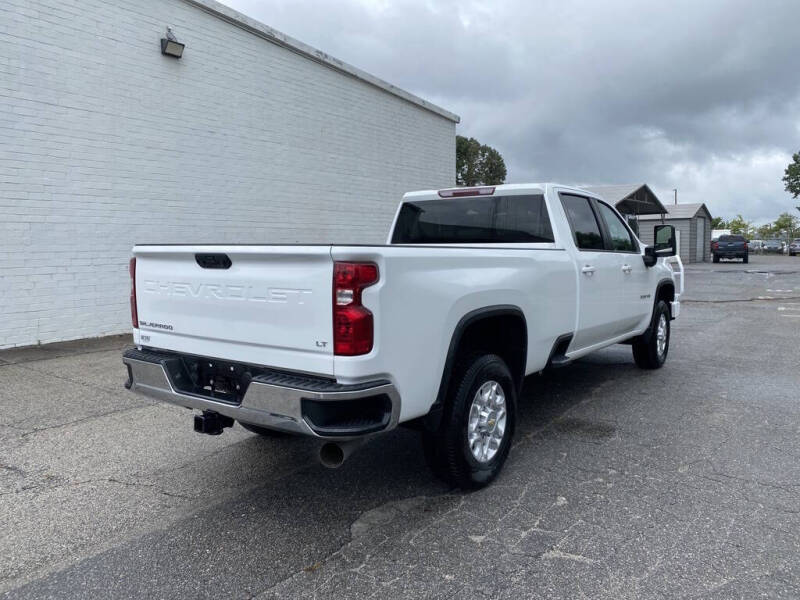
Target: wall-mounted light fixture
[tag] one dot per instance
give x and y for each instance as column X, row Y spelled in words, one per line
column 170, row 46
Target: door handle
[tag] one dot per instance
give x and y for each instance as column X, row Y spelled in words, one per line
column 627, row 268
column 588, row 270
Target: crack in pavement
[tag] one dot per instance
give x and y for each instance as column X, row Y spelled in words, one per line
column 63, row 354
column 27, row 432
column 41, row 488
column 733, row 300
column 100, row 388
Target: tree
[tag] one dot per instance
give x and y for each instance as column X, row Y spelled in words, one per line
column 739, row 225
column 792, row 176
column 718, row 223
column 478, row 164
column 786, row 222
column 493, row 167
column 467, row 152
column 765, row 232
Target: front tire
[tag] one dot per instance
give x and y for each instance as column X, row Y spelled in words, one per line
column 472, row 442
column 651, row 348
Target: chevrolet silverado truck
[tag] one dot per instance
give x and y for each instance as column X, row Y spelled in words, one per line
column 732, row 246
column 475, row 289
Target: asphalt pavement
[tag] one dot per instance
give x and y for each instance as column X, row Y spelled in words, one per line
column 678, row 483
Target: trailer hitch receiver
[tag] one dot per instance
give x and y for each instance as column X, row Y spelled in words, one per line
column 211, row 423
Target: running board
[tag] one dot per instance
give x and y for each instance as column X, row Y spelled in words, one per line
column 559, row 361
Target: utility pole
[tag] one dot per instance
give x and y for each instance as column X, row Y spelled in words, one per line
column 676, row 196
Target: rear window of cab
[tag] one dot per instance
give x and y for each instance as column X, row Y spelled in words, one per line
column 474, row 220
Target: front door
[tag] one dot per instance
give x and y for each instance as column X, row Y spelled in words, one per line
column 635, row 279
column 701, row 239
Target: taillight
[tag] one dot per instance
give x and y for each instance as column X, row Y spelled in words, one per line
column 714, row 245
column 134, row 311
column 745, row 245
column 352, row 323
column 461, row 192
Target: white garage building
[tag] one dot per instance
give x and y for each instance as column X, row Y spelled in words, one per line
column 251, row 136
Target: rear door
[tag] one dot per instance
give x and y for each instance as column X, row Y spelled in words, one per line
column 265, row 305
column 598, row 274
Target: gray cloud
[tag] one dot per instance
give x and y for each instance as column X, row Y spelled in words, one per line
column 702, row 96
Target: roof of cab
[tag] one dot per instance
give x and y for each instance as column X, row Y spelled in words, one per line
column 505, row 188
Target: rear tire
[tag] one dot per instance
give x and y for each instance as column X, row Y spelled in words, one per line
column 472, row 442
column 716, row 258
column 263, row 431
column 651, row 348
column 746, row 259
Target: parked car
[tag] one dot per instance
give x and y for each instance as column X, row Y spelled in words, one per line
column 730, row 246
column 475, row 289
column 773, row 247
column 794, row 247
column 755, row 246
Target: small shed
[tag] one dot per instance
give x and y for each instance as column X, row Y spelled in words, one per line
column 631, row 199
column 692, row 223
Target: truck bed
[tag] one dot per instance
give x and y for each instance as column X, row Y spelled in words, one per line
column 273, row 305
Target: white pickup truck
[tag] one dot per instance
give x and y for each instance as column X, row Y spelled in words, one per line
column 475, row 289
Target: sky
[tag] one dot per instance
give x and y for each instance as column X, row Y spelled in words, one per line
column 702, row 96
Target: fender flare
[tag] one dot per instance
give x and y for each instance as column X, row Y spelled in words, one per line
column 662, row 284
column 433, row 418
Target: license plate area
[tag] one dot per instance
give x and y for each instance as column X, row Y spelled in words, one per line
column 210, row 378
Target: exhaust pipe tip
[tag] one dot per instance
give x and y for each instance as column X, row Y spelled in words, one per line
column 331, row 455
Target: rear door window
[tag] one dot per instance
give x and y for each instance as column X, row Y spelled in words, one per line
column 582, row 221
column 522, row 219
column 486, row 219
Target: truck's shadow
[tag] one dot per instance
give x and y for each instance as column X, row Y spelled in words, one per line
column 242, row 546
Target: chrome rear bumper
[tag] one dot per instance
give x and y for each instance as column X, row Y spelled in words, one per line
column 273, row 401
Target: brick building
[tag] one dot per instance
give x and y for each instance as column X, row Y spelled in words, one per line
column 251, row 136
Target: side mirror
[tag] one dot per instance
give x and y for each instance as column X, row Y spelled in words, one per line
column 665, row 245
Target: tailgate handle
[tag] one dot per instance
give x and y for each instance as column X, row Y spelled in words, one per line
column 213, row 261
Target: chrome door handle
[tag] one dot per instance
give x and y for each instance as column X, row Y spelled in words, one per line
column 588, row 270
column 627, row 268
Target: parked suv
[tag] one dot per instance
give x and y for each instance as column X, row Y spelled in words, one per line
column 773, row 246
column 756, row 246
column 794, row 247
column 730, row 246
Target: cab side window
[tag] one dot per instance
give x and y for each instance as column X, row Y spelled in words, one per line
column 584, row 225
column 621, row 238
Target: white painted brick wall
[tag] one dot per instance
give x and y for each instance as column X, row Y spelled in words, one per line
column 105, row 143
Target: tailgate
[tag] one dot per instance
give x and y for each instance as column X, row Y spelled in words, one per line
column 731, row 246
column 271, row 306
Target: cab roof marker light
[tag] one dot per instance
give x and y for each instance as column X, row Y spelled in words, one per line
column 460, row 192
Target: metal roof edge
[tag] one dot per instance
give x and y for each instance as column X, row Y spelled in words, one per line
column 274, row 36
column 654, row 196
